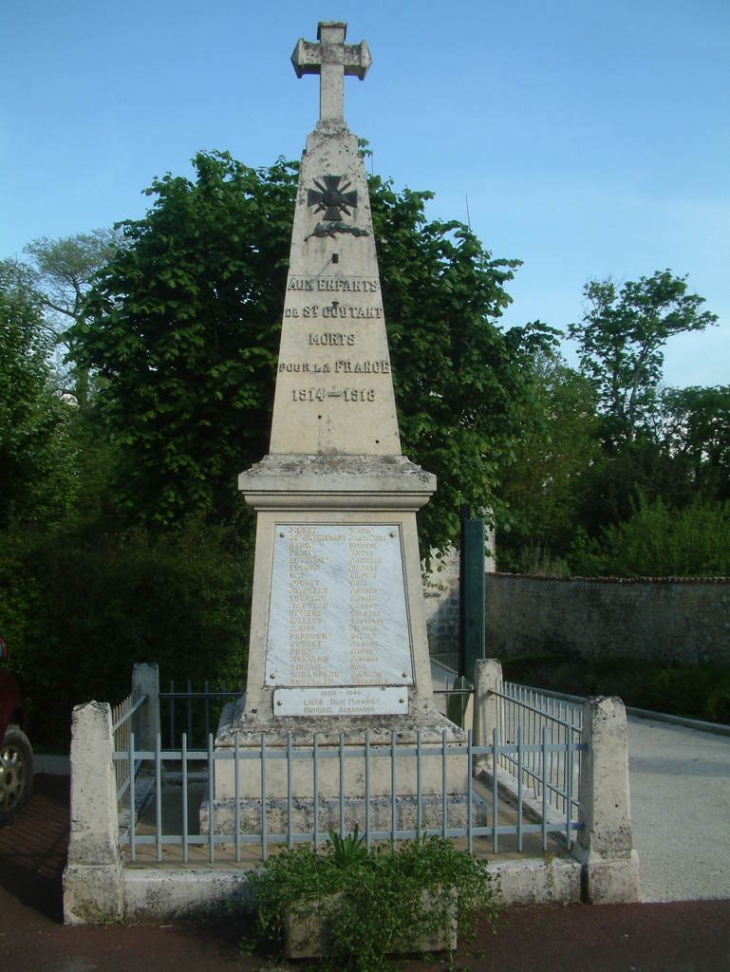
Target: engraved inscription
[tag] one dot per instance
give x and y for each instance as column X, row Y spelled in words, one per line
column 346, row 394
column 351, row 285
column 336, row 310
column 335, row 345
column 338, row 610
column 340, row 702
column 332, row 340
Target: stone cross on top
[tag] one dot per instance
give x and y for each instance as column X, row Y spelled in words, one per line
column 332, row 59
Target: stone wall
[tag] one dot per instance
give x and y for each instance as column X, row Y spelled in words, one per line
column 675, row 620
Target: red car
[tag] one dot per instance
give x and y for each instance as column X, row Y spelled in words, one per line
column 16, row 755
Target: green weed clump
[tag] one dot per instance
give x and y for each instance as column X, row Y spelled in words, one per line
column 372, row 903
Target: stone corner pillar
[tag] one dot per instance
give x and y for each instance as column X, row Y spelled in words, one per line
column 605, row 845
column 487, row 679
column 92, row 880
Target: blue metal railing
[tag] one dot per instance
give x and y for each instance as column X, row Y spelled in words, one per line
column 536, row 717
column 472, row 813
column 122, row 715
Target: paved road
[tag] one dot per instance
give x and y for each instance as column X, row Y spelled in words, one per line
column 680, row 809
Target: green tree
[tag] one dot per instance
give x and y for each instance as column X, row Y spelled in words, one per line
column 183, row 328
column 36, row 464
column 65, row 268
column 696, row 435
column 62, row 272
column 79, row 605
column 621, row 340
column 543, row 491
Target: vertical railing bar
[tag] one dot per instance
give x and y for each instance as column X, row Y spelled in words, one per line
column 544, row 795
column 569, row 791
column 579, row 772
column 419, row 783
column 211, row 800
column 532, row 726
column 315, row 788
column 342, row 784
column 184, row 769
column 554, row 757
column 368, row 828
column 289, row 793
column 495, row 789
column 237, row 794
column 393, row 791
column 132, row 802
column 469, row 792
column 263, row 797
column 444, row 789
column 158, row 796
column 562, row 781
column 520, row 755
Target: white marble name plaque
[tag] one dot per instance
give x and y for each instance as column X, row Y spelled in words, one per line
column 338, row 614
column 370, row 700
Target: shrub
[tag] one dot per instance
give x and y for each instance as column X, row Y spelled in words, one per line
column 696, row 691
column 80, row 607
column 660, row 541
column 372, row 903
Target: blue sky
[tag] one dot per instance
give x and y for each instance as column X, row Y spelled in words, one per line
column 590, row 138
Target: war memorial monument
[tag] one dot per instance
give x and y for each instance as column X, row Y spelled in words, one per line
column 338, row 641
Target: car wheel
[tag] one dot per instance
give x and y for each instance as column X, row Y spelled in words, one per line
column 16, row 773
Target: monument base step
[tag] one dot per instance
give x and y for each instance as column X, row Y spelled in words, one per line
column 331, row 815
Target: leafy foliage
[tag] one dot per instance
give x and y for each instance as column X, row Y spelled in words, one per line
column 79, row 607
column 61, row 272
column 620, row 342
column 696, row 691
column 459, row 381
column 659, row 541
column 36, row 464
column 65, row 268
column 696, row 435
column 544, row 490
column 183, row 329
column 377, row 903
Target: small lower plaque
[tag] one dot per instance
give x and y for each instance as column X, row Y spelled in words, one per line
column 341, row 701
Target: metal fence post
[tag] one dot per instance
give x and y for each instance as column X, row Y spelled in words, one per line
column 92, row 880
column 605, row 846
column 146, row 681
column 487, row 679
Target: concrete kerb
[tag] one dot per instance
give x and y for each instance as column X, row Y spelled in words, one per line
column 165, row 893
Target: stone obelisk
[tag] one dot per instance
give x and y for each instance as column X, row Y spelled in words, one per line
column 338, row 638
